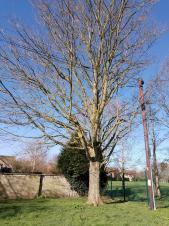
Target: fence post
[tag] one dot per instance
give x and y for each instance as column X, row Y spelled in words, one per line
column 124, row 187
column 40, row 185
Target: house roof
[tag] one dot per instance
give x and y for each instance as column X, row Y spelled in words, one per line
column 7, row 160
column 116, row 170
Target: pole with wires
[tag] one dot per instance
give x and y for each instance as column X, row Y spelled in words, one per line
column 147, row 149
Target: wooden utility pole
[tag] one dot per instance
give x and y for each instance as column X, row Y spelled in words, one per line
column 147, row 149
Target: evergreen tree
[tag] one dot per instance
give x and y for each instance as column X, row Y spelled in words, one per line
column 74, row 164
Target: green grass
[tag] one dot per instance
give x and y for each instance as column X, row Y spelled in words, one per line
column 136, row 191
column 72, row 212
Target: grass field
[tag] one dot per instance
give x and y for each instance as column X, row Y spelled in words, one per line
column 72, row 212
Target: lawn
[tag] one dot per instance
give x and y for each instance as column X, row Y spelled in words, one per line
column 72, row 212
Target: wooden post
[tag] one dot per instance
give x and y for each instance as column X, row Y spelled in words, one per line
column 40, row 185
column 147, row 149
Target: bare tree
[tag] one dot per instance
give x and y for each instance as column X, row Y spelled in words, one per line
column 65, row 74
column 159, row 94
column 155, row 142
column 164, row 171
column 121, row 161
column 158, row 111
column 35, row 154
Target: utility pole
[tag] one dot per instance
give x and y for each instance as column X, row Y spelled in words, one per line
column 147, row 149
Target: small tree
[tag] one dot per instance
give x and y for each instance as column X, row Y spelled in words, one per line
column 155, row 141
column 21, row 166
column 121, row 161
column 33, row 158
column 74, row 164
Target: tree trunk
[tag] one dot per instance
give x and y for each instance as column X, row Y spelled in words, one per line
column 156, row 175
column 94, row 184
column 158, row 192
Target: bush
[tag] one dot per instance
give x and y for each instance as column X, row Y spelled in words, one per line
column 6, row 170
column 74, row 164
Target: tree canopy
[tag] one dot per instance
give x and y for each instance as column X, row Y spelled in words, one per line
column 64, row 74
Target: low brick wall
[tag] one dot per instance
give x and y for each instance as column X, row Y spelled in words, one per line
column 16, row 186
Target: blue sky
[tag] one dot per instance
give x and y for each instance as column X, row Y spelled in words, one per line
column 23, row 10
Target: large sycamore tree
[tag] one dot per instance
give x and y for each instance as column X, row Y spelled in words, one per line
column 63, row 74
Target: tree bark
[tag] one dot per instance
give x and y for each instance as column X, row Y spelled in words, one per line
column 156, row 175
column 94, row 184
column 157, row 190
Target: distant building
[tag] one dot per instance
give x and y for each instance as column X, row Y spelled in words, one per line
column 116, row 174
column 6, row 163
column 130, row 175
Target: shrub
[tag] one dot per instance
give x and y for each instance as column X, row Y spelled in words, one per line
column 74, row 164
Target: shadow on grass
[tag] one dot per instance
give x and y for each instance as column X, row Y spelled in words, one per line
column 137, row 192
column 133, row 193
column 10, row 211
column 11, row 208
column 114, row 202
column 162, row 206
column 165, row 192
